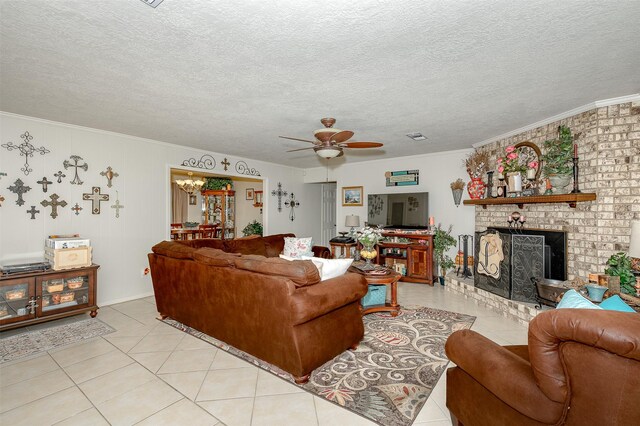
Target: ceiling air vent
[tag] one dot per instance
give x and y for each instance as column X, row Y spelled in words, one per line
column 152, row 3
column 417, row 136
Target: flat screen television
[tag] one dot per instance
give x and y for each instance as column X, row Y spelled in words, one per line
column 400, row 211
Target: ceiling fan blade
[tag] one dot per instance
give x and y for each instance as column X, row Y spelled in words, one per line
column 342, row 136
column 296, row 139
column 361, row 144
column 300, row 149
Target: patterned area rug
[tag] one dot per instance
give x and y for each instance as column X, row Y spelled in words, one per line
column 33, row 342
column 391, row 374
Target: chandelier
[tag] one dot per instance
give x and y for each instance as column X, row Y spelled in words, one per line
column 189, row 185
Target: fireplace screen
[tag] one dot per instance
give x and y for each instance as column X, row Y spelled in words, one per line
column 527, row 260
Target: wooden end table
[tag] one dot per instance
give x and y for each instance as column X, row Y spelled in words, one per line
column 391, row 280
column 344, row 250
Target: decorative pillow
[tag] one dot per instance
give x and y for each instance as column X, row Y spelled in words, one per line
column 297, row 247
column 331, row 268
column 615, row 303
column 315, row 261
column 573, row 299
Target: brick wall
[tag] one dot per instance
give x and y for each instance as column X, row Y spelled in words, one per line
column 608, row 140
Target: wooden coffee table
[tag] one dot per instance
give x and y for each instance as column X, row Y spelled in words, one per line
column 391, row 279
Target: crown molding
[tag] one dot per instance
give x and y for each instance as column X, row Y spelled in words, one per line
column 592, row 105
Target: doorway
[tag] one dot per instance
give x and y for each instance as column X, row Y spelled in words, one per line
column 328, row 217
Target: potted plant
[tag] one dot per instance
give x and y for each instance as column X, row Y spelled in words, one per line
column 620, row 266
column 557, row 164
column 476, row 165
column 216, row 183
column 442, row 242
column 253, row 228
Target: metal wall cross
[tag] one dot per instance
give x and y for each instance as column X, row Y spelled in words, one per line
column 76, row 209
column 95, row 196
column 59, row 175
column 33, row 212
column 117, row 205
column 279, row 193
column 292, row 203
column 26, row 150
column 1, row 200
column 226, row 164
column 109, row 174
column 76, row 180
column 54, row 203
column 19, row 188
column 45, row 184
column 2, row 174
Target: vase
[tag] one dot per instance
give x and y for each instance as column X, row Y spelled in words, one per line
column 368, row 252
column 559, row 182
column 476, row 188
column 457, row 196
column 514, row 182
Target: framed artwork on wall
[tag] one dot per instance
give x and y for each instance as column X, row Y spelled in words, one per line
column 249, row 194
column 193, row 200
column 352, row 196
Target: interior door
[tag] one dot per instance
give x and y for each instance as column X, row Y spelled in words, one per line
column 328, row 213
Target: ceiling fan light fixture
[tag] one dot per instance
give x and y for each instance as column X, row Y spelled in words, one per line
column 417, row 136
column 328, row 152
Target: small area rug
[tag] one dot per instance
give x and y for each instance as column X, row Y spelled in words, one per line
column 391, row 374
column 36, row 341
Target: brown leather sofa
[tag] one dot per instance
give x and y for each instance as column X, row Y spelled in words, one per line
column 581, row 367
column 274, row 309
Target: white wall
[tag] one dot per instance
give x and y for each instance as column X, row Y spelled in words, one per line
column 245, row 211
column 437, row 171
column 120, row 245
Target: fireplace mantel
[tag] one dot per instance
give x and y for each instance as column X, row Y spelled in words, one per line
column 570, row 199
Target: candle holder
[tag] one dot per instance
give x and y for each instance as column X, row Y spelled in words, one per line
column 489, row 190
column 576, row 190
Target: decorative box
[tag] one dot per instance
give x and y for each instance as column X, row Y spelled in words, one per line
column 78, row 257
column 74, row 283
column 55, row 285
column 67, row 297
column 15, row 294
column 376, row 295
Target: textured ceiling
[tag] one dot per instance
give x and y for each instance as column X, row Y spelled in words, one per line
column 232, row 76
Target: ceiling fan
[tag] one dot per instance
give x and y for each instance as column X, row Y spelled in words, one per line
column 330, row 142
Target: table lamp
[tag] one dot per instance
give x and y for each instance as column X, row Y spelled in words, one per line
column 352, row 221
column 634, row 246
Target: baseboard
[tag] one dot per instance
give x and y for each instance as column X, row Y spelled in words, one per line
column 126, row 299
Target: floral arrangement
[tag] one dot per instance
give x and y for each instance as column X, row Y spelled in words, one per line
column 476, row 164
column 511, row 163
column 369, row 236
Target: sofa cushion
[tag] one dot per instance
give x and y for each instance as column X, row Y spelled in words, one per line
column 215, row 257
column 215, row 243
column 248, row 245
column 615, row 303
column 297, row 247
column 275, row 244
column 173, row 249
column 302, row 273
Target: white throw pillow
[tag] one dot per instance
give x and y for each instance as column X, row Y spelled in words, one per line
column 331, row 268
column 297, row 247
column 315, row 261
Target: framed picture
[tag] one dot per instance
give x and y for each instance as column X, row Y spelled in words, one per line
column 249, row 194
column 352, row 196
column 193, row 200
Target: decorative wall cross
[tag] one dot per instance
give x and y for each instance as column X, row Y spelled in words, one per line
column 19, row 188
column 279, row 193
column 109, row 174
column 76, row 209
column 226, row 164
column 1, row 200
column 59, row 175
column 33, row 212
column 54, row 203
column 292, row 203
column 26, row 150
column 2, row 174
column 117, row 205
column 95, row 196
column 76, row 180
column 45, row 184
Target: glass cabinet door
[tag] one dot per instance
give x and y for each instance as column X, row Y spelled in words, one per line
column 17, row 300
column 64, row 292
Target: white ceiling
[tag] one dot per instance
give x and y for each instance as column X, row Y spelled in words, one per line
column 230, row 76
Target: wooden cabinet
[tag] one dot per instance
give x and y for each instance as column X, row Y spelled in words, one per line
column 220, row 209
column 43, row 296
column 416, row 256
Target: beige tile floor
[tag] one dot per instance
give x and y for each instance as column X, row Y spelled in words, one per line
column 149, row 373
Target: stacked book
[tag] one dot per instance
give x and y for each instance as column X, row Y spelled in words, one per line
column 67, row 251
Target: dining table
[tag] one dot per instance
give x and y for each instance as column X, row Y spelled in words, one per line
column 185, row 233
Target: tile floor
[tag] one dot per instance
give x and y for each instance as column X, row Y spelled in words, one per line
column 148, row 373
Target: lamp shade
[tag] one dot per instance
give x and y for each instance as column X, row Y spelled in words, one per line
column 352, row 220
column 634, row 246
column 328, row 152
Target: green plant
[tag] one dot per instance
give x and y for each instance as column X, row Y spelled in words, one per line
column 558, row 156
column 620, row 266
column 216, row 183
column 442, row 242
column 190, row 224
column 253, row 228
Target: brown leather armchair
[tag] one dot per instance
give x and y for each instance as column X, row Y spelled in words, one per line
column 581, row 367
